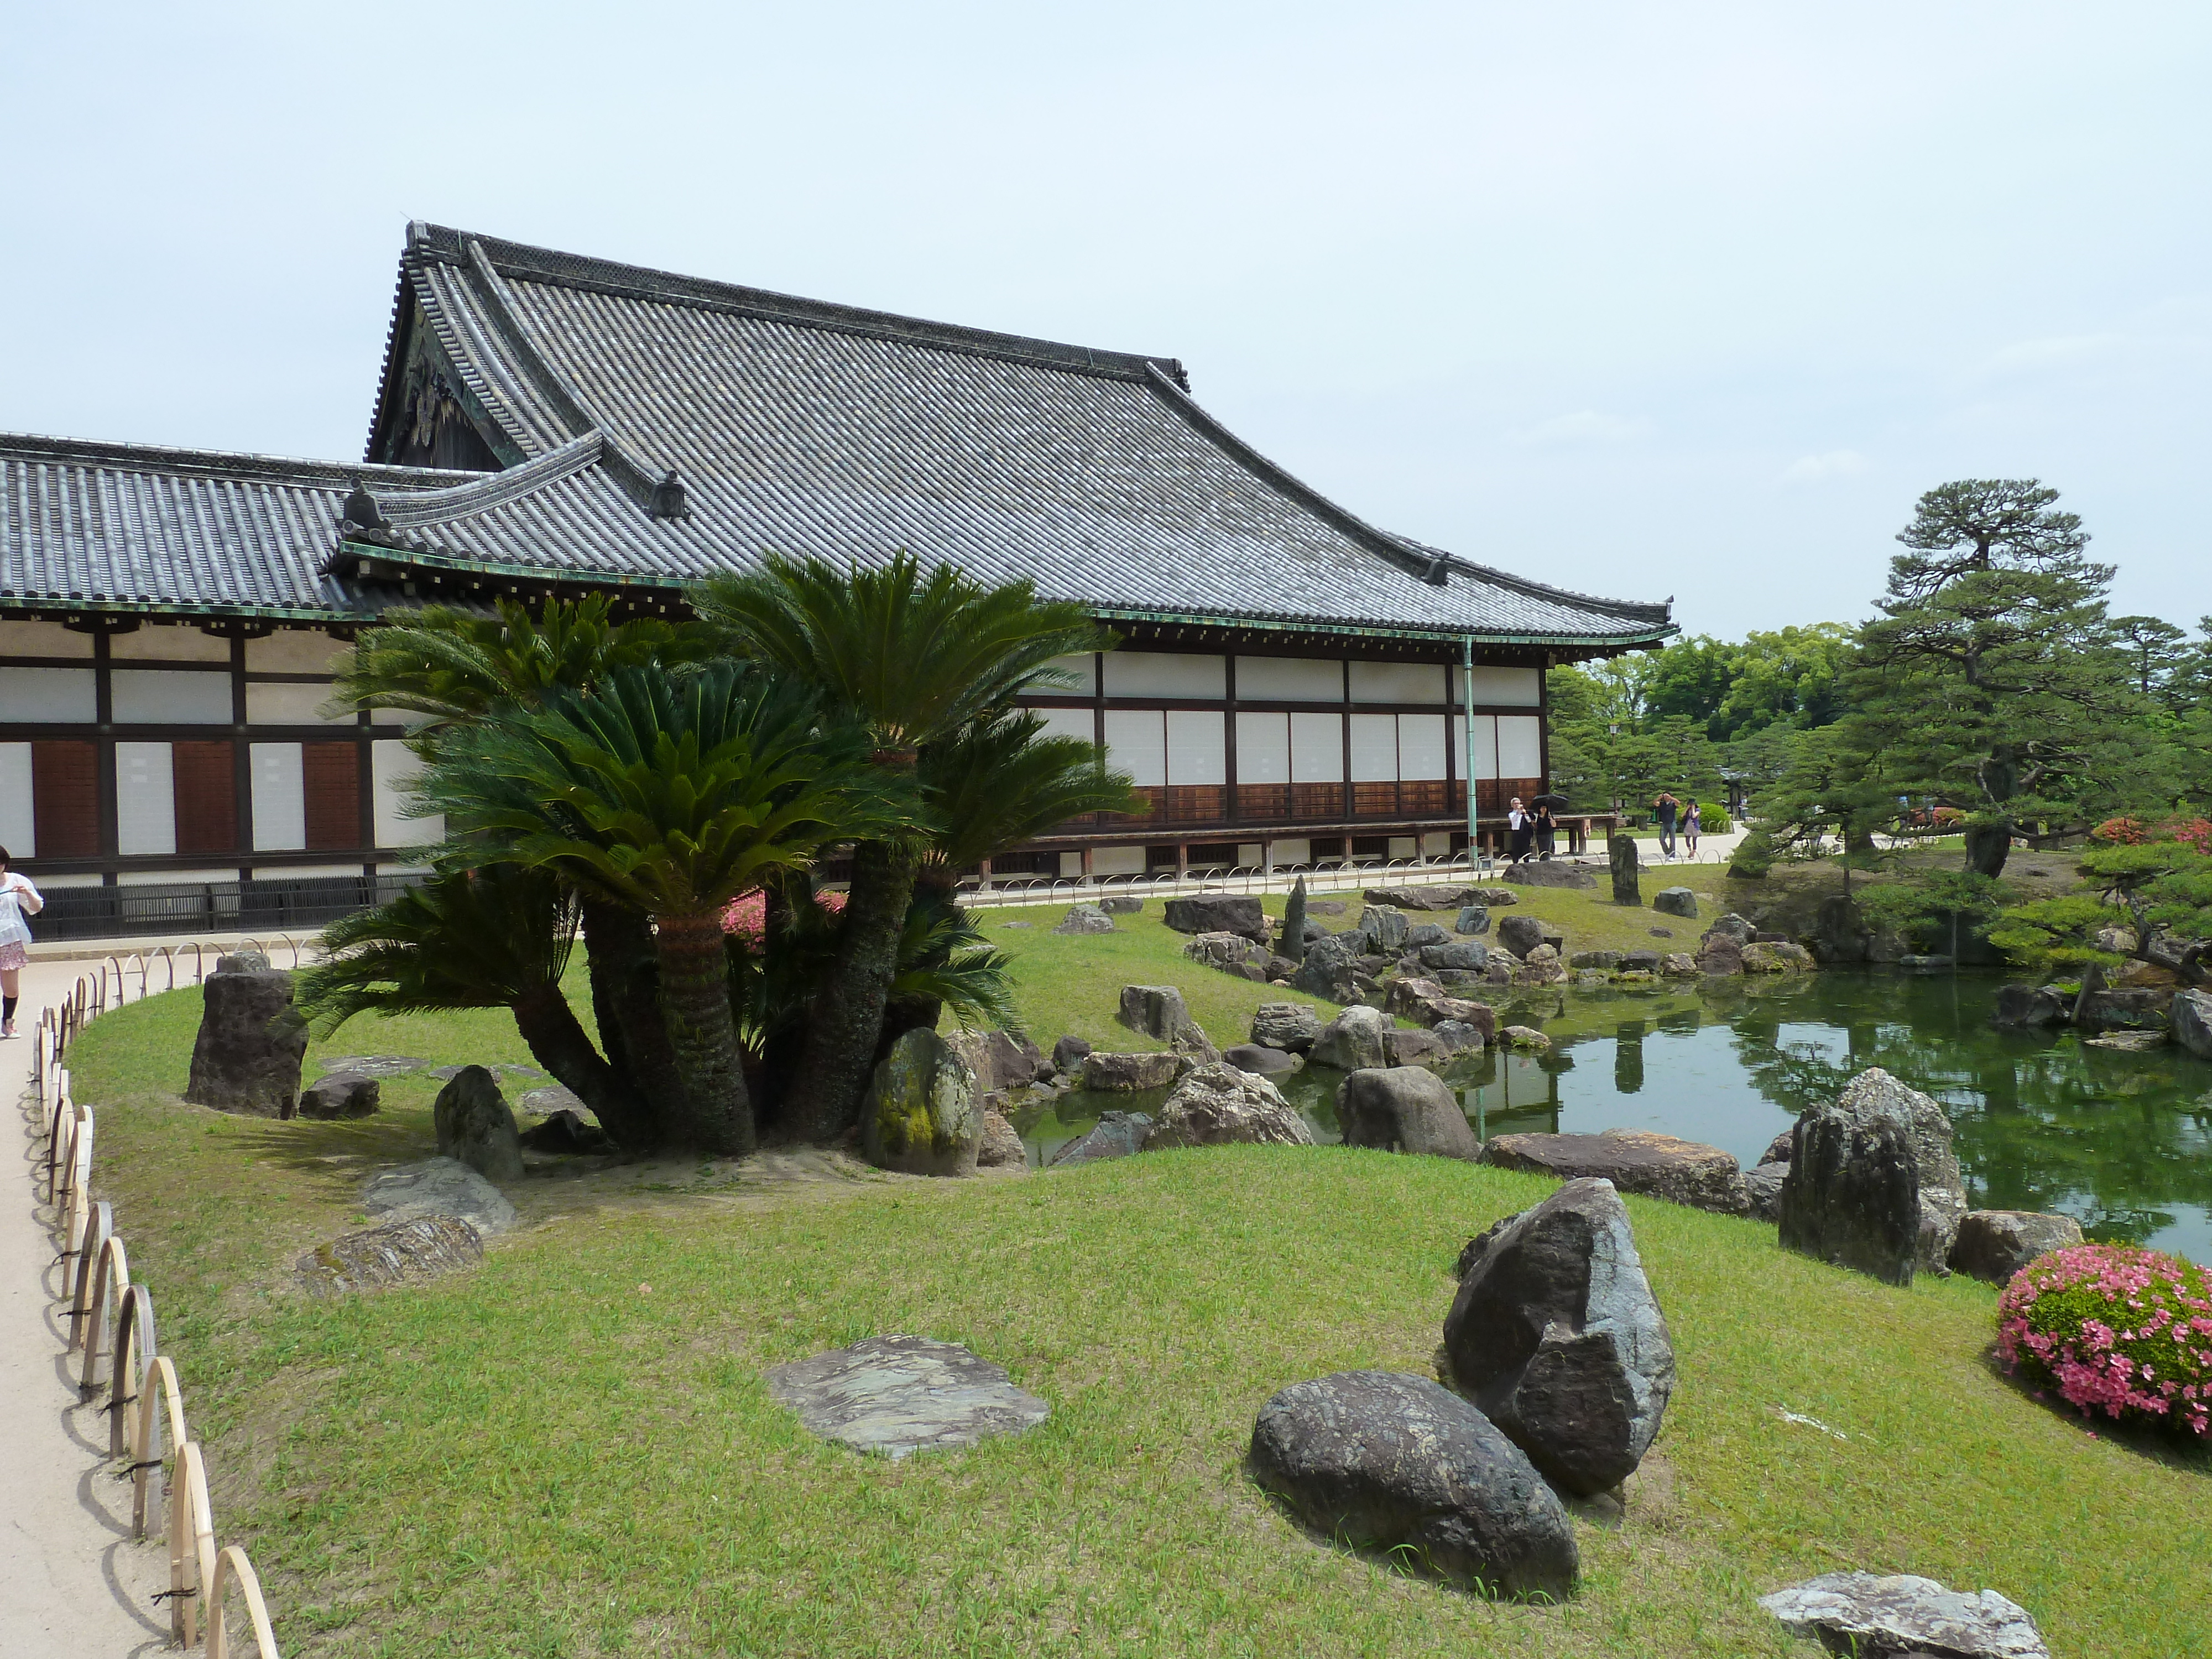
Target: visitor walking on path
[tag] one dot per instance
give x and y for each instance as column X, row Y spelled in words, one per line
column 18, row 898
column 1547, row 827
column 1666, row 807
column 1522, row 826
column 1691, row 825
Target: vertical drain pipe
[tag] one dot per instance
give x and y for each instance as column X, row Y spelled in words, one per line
column 1467, row 761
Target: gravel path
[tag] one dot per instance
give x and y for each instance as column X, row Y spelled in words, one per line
column 71, row 1580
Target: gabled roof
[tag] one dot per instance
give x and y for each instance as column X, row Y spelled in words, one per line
column 800, row 427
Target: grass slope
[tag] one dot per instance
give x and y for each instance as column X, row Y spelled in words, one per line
column 569, row 1451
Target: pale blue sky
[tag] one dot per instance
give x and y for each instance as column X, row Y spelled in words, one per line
column 1690, row 300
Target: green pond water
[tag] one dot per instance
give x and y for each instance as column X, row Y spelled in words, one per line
column 2121, row 1141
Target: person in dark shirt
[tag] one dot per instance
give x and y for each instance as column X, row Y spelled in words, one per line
column 1668, row 809
column 1547, row 826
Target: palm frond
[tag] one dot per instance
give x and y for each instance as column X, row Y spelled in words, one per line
column 999, row 781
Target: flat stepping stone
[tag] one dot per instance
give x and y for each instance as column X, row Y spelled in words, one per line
column 554, row 1098
column 439, row 1186
column 399, row 1253
column 378, row 1066
column 901, row 1395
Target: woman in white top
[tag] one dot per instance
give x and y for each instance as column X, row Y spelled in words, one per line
column 18, row 899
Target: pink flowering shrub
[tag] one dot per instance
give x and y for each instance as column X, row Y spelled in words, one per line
column 747, row 913
column 2114, row 1328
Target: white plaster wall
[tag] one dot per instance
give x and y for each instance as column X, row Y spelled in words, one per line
column 1420, row 746
column 393, row 766
column 295, row 651
column 1289, row 679
column 1136, row 743
column 1165, row 674
column 1263, row 747
column 1316, row 749
column 1197, row 746
column 18, row 824
column 1484, row 764
column 43, row 639
column 1117, row 861
column 1520, row 745
column 1081, row 671
column 49, row 694
column 1398, row 682
column 279, row 798
column 290, row 705
column 1374, row 748
column 1507, row 688
column 162, row 696
column 167, row 642
column 1067, row 723
column 145, row 799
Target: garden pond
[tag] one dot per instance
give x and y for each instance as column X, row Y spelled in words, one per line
column 2120, row 1140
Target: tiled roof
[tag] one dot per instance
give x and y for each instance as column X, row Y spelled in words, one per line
column 801, row 427
column 127, row 526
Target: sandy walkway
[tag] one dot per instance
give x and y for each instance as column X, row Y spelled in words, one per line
column 71, row 1580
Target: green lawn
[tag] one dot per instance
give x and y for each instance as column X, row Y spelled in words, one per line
column 569, row 1450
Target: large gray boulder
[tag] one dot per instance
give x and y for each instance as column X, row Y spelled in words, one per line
column 1520, row 934
column 1380, row 1459
column 1331, row 961
column 1473, row 919
column 1353, row 1040
column 1994, row 1244
column 252, row 1039
column 1121, row 905
column 923, row 1113
column 2137, row 1009
column 437, row 1186
column 1427, row 1003
column 1735, row 927
column 1127, row 1073
column 1549, row 873
column 1852, row 1195
column 1676, row 902
column 1459, row 953
column 1218, row 912
column 1116, row 1134
column 397, row 1252
column 1217, row 1105
column 475, row 1127
column 1404, row 1109
column 1556, row 1335
column 1621, row 853
column 2029, row 1008
column 1000, row 1145
column 1432, row 896
column 2189, row 1020
column 1762, row 1189
column 1292, row 1027
column 1260, row 1060
column 1068, row 1055
column 1158, row 1011
column 341, row 1095
column 1085, row 919
column 1229, row 953
column 1384, row 929
column 1634, row 1161
column 1293, row 939
column 1001, row 1059
column 1942, row 1184
column 1902, row 1616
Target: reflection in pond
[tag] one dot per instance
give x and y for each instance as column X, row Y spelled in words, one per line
column 2122, row 1141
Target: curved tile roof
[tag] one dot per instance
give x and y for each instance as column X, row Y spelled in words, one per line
column 802, row 427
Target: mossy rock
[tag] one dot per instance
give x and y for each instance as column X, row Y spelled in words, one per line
column 923, row 1113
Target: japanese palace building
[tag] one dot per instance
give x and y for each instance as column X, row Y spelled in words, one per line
column 1295, row 683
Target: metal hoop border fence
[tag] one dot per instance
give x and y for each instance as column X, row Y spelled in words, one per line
column 143, row 1394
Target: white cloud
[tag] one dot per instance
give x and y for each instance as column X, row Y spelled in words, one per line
column 1818, row 469
column 1585, row 425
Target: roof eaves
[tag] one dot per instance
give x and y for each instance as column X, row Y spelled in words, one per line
column 243, row 466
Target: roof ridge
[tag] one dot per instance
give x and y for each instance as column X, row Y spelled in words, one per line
column 305, row 470
column 413, row 510
column 588, row 271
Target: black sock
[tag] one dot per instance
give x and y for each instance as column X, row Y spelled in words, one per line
column 7, row 1011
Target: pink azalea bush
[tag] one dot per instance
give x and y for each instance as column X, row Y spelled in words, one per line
column 747, row 913
column 2115, row 1328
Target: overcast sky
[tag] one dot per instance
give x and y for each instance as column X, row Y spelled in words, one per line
column 1645, row 301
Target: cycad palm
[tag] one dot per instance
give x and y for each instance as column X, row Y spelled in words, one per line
column 999, row 781
column 911, row 656
column 671, row 794
column 490, row 938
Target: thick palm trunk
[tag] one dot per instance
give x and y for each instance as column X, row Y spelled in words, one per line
column 849, row 1009
column 695, row 999
column 626, row 1001
column 557, row 1039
